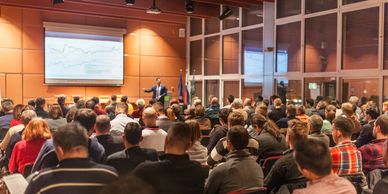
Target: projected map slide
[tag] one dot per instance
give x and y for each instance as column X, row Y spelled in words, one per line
column 69, row 58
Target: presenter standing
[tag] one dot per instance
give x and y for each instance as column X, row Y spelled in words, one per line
column 158, row 91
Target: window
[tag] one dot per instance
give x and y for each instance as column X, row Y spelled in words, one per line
column 195, row 26
column 288, row 47
column 289, row 90
column 352, row 1
column 322, row 86
column 212, row 55
column 230, row 53
column 313, row 6
column 198, row 89
column 251, row 89
column 231, row 88
column 386, row 37
column 212, row 25
column 285, row 8
column 367, row 88
column 252, row 15
column 360, row 38
column 233, row 20
column 321, row 44
column 212, row 88
column 196, row 57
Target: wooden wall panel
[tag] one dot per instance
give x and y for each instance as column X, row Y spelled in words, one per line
column 162, row 46
column 32, row 17
column 11, row 15
column 33, row 37
column 162, row 66
column 14, row 87
column 11, row 36
column 33, row 61
column 131, row 65
column 2, row 85
column 10, row 60
column 131, row 87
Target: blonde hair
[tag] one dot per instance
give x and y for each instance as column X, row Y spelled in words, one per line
column 37, row 128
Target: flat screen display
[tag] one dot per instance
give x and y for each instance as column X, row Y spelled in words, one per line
column 83, row 59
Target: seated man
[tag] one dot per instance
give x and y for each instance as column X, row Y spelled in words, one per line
column 121, row 119
column 372, row 153
column 314, row 124
column 239, row 171
column 382, row 185
column 346, row 158
column 125, row 161
column 87, row 118
column 314, row 161
column 220, row 151
column 153, row 136
column 75, row 173
column 175, row 172
column 285, row 170
column 110, row 143
column 5, row 121
column 219, row 131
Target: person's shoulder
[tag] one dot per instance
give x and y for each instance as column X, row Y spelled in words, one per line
column 148, row 151
column 116, row 155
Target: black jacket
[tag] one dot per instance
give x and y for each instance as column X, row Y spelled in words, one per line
column 111, row 144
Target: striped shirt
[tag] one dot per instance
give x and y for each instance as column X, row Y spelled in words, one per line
column 75, row 176
column 346, row 158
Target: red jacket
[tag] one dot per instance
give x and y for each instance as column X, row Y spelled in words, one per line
column 24, row 152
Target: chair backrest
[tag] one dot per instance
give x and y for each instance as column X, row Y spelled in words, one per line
column 266, row 164
column 28, row 169
column 252, row 190
column 358, row 180
column 332, row 143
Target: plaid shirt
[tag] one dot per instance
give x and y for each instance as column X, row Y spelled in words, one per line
column 372, row 155
column 346, row 158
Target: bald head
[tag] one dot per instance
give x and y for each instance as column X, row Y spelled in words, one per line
column 149, row 117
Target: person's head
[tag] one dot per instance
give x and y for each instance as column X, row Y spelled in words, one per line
column 291, row 110
column 230, row 99
column 87, row 118
column 385, row 106
column 321, row 105
column 102, row 124
column 277, row 102
column 247, row 102
column 17, row 111
column 178, row 138
column 341, row 129
column 300, row 110
column 132, row 134
column 113, row 98
column 385, row 153
column 372, row 113
column 71, row 141
column 296, row 131
column 70, row 115
column 380, row 129
column 149, row 117
column 124, row 99
column 315, row 123
column 31, row 102
column 128, row 184
column 55, row 112
column 214, row 101
column 121, row 108
column 27, row 116
column 237, row 138
column 347, row 109
column 313, row 158
column 330, row 112
column 258, row 121
column 262, row 109
column 195, row 130
column 7, row 106
column 90, row 104
column 37, row 128
column 237, row 103
column 309, row 103
column 40, row 102
column 353, row 100
column 199, row 111
column 95, row 99
column 80, row 104
column 61, row 99
column 235, row 118
column 158, row 81
column 140, row 103
column 76, row 99
column 223, row 115
column 176, row 108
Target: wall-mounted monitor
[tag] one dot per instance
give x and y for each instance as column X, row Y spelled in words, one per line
column 83, row 55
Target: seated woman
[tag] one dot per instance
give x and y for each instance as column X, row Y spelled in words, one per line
column 17, row 113
column 26, row 150
column 196, row 152
column 56, row 118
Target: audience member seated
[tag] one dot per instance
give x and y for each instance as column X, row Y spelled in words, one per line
column 111, row 107
column 128, row 184
column 249, row 108
column 138, row 113
column 121, row 120
column 314, row 162
column 211, row 112
column 80, row 104
column 26, row 115
column 301, row 114
column 204, row 123
column 61, row 102
column 310, row 110
column 329, row 117
column 346, row 158
column 321, row 108
column 239, row 171
column 366, row 133
column 219, row 152
column 87, row 118
column 163, row 121
column 175, row 172
column 196, row 152
column 130, row 107
column 126, row 160
column 55, row 119
column 39, row 109
column 75, row 100
column 32, row 103
column 97, row 108
column 285, row 169
column 314, row 125
column 153, row 136
column 237, row 105
column 219, row 131
column 372, row 153
column 271, row 141
column 291, row 114
column 348, row 112
column 110, row 143
column 26, row 150
column 5, row 121
column 17, row 112
column 229, row 100
column 382, row 185
column 75, row 173
column 278, row 110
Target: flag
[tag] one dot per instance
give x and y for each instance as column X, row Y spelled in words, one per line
column 187, row 93
column 192, row 92
column 180, row 86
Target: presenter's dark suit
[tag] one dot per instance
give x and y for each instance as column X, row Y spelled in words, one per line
column 163, row 92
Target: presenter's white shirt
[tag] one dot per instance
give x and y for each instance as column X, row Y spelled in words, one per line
column 153, row 138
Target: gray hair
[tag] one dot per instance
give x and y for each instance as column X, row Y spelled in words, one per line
column 27, row 116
